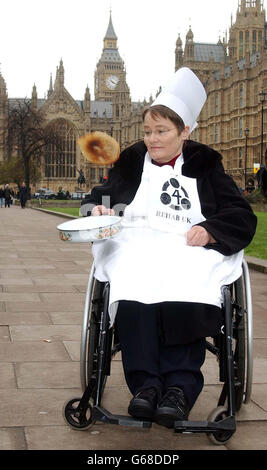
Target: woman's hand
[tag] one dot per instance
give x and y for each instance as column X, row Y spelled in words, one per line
column 198, row 236
column 102, row 210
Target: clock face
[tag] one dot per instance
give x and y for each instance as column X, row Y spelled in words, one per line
column 112, row 81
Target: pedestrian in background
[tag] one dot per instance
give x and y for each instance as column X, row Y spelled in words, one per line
column 1, row 197
column 7, row 195
column 23, row 195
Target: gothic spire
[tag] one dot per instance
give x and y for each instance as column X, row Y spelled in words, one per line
column 34, row 98
column 87, row 100
column 59, row 82
column 190, row 35
column 50, row 90
column 34, row 91
column 110, row 34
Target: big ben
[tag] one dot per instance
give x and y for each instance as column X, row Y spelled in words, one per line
column 110, row 68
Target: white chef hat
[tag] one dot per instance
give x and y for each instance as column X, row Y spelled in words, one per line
column 184, row 94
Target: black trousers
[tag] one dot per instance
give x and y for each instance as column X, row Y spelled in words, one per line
column 149, row 361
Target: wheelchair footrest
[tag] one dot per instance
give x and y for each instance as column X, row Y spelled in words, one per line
column 227, row 425
column 100, row 414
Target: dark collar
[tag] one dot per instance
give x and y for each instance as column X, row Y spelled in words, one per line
column 199, row 159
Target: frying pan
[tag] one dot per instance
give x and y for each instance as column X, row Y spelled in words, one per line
column 90, row 229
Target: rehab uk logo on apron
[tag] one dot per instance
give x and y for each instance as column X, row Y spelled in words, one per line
column 173, row 200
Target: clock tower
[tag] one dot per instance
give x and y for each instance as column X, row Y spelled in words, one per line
column 110, row 68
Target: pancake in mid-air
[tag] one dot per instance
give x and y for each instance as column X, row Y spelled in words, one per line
column 99, row 148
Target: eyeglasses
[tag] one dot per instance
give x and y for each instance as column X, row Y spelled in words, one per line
column 159, row 133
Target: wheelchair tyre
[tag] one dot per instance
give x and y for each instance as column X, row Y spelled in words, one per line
column 93, row 334
column 219, row 437
column 76, row 420
column 97, row 303
column 243, row 336
column 90, row 331
column 248, row 332
column 85, row 330
column 240, row 343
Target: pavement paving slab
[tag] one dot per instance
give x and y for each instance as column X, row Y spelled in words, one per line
column 12, row 439
column 111, row 437
column 20, row 351
column 24, row 318
column 42, row 287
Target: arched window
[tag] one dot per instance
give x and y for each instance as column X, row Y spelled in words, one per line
column 241, row 96
column 254, row 41
column 216, row 104
column 60, row 158
column 247, row 41
column 241, row 44
column 259, row 39
column 241, row 127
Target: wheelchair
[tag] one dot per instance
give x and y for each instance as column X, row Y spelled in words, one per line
column 233, row 349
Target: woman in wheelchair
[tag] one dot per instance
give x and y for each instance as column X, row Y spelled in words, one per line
column 185, row 225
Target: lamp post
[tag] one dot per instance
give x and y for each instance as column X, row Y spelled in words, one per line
column 246, row 155
column 262, row 95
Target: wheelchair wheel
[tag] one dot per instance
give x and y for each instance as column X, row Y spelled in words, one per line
column 95, row 313
column 239, row 343
column 94, row 331
column 90, row 329
column 219, row 437
column 77, row 420
column 248, row 332
column 242, row 334
column 90, row 294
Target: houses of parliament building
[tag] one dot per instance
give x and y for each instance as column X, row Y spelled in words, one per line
column 233, row 120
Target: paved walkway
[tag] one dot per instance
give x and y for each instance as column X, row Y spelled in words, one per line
column 42, row 288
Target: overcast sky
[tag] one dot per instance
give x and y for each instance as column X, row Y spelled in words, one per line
column 36, row 34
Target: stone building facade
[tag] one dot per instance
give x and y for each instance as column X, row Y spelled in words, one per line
column 112, row 112
column 233, row 120
column 234, row 73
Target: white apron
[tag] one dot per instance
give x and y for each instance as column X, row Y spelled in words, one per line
column 149, row 260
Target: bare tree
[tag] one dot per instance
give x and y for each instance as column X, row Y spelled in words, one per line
column 12, row 171
column 27, row 135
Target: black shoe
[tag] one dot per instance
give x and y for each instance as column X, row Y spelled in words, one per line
column 144, row 404
column 173, row 407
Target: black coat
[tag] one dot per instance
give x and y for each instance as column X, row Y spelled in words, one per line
column 7, row 193
column 23, row 193
column 229, row 218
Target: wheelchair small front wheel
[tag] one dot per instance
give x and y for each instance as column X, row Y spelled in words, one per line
column 80, row 421
column 219, row 437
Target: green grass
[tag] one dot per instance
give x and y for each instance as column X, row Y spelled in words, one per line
column 65, row 210
column 257, row 248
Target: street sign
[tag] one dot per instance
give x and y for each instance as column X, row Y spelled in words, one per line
column 256, row 168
